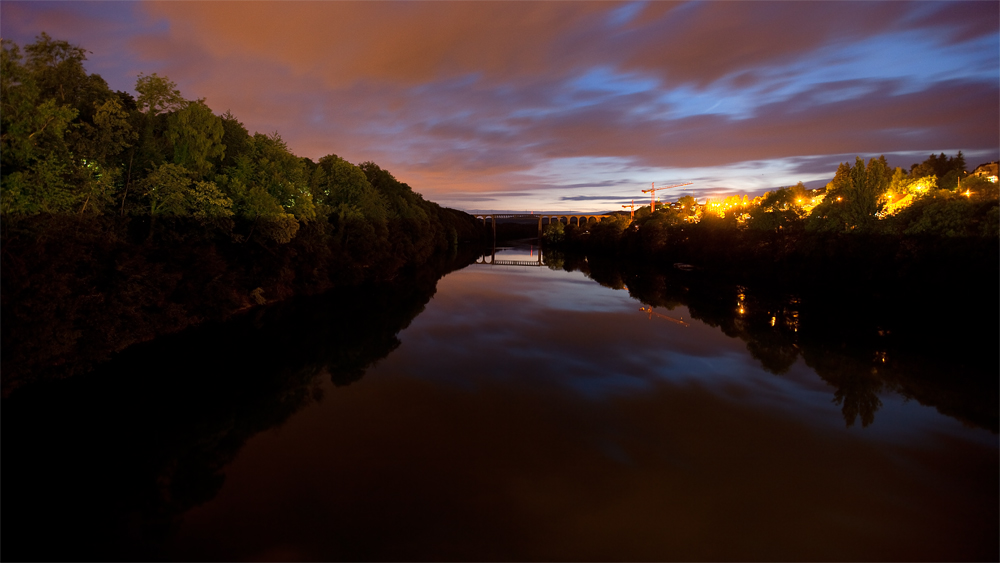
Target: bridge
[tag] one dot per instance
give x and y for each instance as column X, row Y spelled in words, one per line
column 491, row 259
column 581, row 218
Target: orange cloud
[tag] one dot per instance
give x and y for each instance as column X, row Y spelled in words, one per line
column 406, row 43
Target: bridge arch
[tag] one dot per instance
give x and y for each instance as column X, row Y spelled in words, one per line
column 582, row 219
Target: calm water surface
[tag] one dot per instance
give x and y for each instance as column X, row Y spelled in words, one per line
column 530, row 413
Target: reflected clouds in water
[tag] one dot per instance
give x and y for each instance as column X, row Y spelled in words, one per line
column 486, row 325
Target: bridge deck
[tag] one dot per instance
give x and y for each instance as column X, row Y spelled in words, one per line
column 515, row 263
column 537, row 215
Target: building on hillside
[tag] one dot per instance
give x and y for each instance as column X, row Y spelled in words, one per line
column 987, row 171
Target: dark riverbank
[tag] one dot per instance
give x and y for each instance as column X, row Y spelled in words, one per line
column 797, row 256
column 113, row 484
column 77, row 290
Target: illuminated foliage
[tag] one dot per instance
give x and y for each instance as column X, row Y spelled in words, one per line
column 554, row 233
column 853, row 198
column 267, row 182
column 946, row 170
column 780, row 209
column 170, row 191
column 337, row 183
column 37, row 166
column 944, row 213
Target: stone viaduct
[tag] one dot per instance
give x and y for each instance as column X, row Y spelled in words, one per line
column 558, row 217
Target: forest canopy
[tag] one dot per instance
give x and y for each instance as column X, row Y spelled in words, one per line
column 71, row 145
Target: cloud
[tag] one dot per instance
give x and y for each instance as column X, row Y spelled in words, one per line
column 706, row 42
column 880, row 121
column 401, row 42
column 516, row 99
column 102, row 28
column 591, row 198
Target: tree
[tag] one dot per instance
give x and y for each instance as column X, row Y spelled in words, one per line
column 36, row 162
column 947, row 170
column 780, row 209
column 235, row 138
column 282, row 175
column 608, row 232
column 687, row 204
column 157, row 94
column 57, row 69
column 166, row 188
column 112, row 131
column 944, row 213
column 196, row 135
column 266, row 184
column 554, row 233
column 402, row 202
column 853, row 198
column 171, row 192
column 337, row 182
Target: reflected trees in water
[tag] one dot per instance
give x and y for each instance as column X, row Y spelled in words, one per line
column 862, row 344
column 125, row 450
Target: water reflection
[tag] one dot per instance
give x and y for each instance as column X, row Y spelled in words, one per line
column 527, row 254
column 530, row 414
column 860, row 344
column 513, row 413
column 108, row 462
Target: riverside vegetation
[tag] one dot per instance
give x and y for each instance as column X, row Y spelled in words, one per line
column 871, row 223
column 895, row 278
column 124, row 218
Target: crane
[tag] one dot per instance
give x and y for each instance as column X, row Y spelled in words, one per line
column 650, row 311
column 631, row 208
column 652, row 193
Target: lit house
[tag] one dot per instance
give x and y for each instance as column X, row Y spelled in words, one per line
column 988, row 171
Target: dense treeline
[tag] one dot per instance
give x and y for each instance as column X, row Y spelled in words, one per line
column 143, row 215
column 70, row 145
column 870, row 219
column 938, row 348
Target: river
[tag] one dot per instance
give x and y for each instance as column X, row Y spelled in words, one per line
column 515, row 413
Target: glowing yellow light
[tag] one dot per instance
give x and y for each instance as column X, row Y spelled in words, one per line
column 839, row 198
column 772, row 321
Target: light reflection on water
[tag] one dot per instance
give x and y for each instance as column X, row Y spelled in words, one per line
column 533, row 414
column 527, row 325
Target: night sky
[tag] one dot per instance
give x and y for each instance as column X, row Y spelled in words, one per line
column 568, row 105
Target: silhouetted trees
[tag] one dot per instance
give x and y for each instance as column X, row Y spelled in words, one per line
column 946, row 170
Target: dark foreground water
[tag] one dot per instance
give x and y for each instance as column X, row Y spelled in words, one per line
column 516, row 413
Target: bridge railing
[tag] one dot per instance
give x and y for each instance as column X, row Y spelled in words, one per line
column 534, row 263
